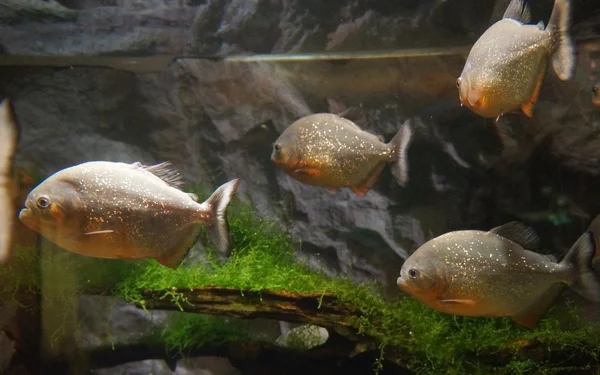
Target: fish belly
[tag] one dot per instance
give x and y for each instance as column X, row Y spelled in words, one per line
column 136, row 233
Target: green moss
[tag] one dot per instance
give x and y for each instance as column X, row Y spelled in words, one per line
column 187, row 331
column 265, row 258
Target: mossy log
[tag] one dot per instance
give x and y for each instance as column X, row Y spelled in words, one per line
column 320, row 309
column 327, row 311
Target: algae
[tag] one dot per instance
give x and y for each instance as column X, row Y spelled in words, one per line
column 187, row 331
column 264, row 258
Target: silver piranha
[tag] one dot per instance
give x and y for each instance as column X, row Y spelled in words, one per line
column 126, row 211
column 9, row 135
column 330, row 151
column 507, row 65
column 492, row 274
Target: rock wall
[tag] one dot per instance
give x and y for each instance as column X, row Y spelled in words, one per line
column 216, row 120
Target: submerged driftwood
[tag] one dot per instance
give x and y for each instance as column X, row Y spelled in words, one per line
column 320, row 309
column 326, row 310
column 298, row 307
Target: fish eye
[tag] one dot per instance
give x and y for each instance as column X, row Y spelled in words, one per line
column 458, row 82
column 277, row 147
column 413, row 273
column 43, row 202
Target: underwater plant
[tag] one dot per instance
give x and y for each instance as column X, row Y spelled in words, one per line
column 265, row 277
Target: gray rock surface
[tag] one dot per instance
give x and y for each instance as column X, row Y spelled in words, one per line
column 186, row 366
column 7, row 350
column 109, row 321
column 217, row 120
column 149, row 366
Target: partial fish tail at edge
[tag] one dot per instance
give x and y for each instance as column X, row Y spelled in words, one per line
column 563, row 58
column 9, row 138
column 594, row 228
column 218, row 228
column 580, row 257
column 399, row 145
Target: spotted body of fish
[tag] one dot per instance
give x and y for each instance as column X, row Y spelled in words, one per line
column 492, row 274
column 507, row 65
column 126, row 211
column 330, row 151
column 9, row 135
column 596, row 94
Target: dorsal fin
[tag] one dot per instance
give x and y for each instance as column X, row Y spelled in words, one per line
column 518, row 10
column 540, row 25
column 166, row 172
column 519, row 233
column 354, row 114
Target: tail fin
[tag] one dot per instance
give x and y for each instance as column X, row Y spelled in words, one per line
column 594, row 228
column 580, row 257
column 399, row 146
column 563, row 58
column 218, row 228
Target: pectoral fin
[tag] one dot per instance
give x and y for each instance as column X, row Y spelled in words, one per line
column 465, row 302
column 313, row 172
column 99, row 232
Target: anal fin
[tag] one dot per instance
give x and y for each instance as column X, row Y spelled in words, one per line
column 360, row 191
column 527, row 109
column 369, row 181
column 529, row 105
column 173, row 259
column 530, row 316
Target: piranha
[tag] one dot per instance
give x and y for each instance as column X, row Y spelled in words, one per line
column 126, row 211
column 596, row 96
column 492, row 274
column 330, row 151
column 9, row 136
column 507, row 65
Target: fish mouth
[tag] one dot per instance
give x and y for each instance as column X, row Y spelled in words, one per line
column 26, row 217
column 475, row 98
column 24, row 213
column 277, row 161
column 400, row 282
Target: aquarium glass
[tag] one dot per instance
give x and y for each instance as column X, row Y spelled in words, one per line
column 299, row 187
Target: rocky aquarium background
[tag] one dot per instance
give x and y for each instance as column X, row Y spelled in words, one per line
column 216, row 120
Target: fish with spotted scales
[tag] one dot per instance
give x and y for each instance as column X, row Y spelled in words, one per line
column 126, row 211
column 330, row 151
column 506, row 66
column 494, row 274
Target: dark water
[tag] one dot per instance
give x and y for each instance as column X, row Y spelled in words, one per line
column 209, row 86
